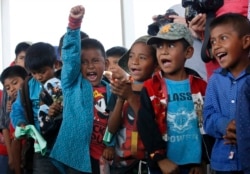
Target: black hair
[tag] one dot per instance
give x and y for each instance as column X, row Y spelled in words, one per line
column 13, row 71
column 239, row 22
column 185, row 43
column 93, row 43
column 116, row 51
column 22, row 46
column 40, row 55
column 153, row 53
column 83, row 35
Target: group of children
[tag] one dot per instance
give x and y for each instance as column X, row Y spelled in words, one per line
column 150, row 105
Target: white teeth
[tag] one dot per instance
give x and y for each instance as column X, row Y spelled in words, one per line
column 220, row 54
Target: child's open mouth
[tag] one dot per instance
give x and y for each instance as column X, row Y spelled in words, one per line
column 92, row 76
column 221, row 55
column 165, row 62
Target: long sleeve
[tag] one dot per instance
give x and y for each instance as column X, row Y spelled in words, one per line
column 77, row 123
column 243, row 126
column 147, row 127
column 17, row 113
column 215, row 120
column 4, row 115
column 71, row 56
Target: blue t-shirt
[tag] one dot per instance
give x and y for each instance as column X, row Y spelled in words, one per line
column 184, row 138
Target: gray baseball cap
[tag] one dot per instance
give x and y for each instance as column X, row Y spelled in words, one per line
column 172, row 31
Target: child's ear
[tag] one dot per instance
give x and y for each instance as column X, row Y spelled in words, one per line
column 189, row 52
column 246, row 41
column 106, row 64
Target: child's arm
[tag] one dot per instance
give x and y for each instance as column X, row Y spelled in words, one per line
column 115, row 117
column 149, row 132
column 17, row 115
column 215, row 124
column 230, row 137
column 71, row 49
column 123, row 89
column 109, row 153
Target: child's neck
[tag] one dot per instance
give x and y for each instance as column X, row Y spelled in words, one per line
column 176, row 76
column 237, row 70
column 137, row 86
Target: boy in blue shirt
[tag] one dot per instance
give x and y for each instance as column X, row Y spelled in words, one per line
column 230, row 41
column 39, row 61
column 79, row 145
column 168, row 119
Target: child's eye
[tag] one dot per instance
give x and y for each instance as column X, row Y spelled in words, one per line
column 143, row 57
column 223, row 37
column 159, row 45
column 171, row 45
column 212, row 42
column 96, row 60
column 14, row 82
column 130, row 56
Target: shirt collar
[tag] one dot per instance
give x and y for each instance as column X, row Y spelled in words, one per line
column 224, row 71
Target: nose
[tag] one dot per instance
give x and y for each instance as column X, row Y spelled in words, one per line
column 38, row 77
column 135, row 61
column 164, row 49
column 12, row 89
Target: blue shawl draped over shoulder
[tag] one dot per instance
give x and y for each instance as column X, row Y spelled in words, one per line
column 72, row 144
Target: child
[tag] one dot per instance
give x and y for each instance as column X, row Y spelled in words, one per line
column 230, row 41
column 20, row 52
column 140, row 61
column 39, row 61
column 12, row 79
column 113, row 56
column 85, row 118
column 12, row 145
column 242, row 126
column 167, row 121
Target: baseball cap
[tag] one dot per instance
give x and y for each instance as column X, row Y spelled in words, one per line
column 123, row 62
column 172, row 31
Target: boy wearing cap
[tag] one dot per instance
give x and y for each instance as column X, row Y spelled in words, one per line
column 169, row 115
column 140, row 62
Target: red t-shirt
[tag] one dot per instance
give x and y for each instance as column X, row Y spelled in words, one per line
column 100, row 122
column 3, row 149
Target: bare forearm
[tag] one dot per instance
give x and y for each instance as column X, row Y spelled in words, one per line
column 115, row 117
column 134, row 102
column 6, row 135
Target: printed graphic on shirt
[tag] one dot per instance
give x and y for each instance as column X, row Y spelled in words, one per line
column 100, row 122
column 51, row 92
column 198, row 106
column 182, row 124
column 129, row 145
column 181, row 120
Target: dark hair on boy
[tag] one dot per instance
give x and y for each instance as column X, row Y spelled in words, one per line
column 22, row 46
column 40, row 55
column 82, row 34
column 239, row 22
column 116, row 51
column 13, row 71
column 93, row 43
